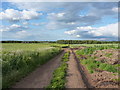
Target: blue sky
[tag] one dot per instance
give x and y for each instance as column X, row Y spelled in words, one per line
column 59, row 20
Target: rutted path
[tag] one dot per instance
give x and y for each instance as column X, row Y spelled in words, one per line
column 74, row 78
column 76, row 75
column 41, row 76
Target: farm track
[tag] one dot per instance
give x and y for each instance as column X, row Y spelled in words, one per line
column 41, row 77
column 76, row 77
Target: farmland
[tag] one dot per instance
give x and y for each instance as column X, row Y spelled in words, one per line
column 48, row 65
column 101, row 62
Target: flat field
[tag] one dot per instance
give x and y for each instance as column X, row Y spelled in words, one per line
column 87, row 65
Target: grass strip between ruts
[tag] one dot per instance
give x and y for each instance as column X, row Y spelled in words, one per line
column 58, row 81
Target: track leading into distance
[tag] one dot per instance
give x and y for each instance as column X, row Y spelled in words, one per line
column 76, row 76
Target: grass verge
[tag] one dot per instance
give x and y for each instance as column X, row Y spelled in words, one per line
column 58, row 81
column 17, row 65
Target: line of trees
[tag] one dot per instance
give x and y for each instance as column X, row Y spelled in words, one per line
column 28, row 41
column 85, row 42
column 65, row 42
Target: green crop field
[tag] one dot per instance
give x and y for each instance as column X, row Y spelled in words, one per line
column 92, row 45
column 28, row 46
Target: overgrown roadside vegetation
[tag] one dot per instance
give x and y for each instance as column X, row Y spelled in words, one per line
column 58, row 81
column 16, row 65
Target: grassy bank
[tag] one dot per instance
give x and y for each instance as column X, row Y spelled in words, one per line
column 58, row 81
column 17, row 64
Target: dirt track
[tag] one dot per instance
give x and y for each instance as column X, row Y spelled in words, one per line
column 77, row 76
column 74, row 78
column 41, row 76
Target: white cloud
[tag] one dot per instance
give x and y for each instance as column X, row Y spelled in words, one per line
column 60, row 14
column 15, row 15
column 55, row 15
column 38, row 24
column 78, row 36
column 64, row 16
column 116, row 9
column 71, row 23
column 108, row 31
column 70, row 13
column 71, row 32
column 27, row 15
column 22, row 34
column 85, row 28
column 13, row 27
column 10, row 14
column 3, row 28
column 25, row 23
column 61, row 0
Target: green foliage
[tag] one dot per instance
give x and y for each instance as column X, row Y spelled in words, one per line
column 102, row 66
column 58, row 80
column 65, row 57
column 16, row 65
column 109, row 54
column 91, row 65
column 116, row 80
column 107, row 67
column 90, row 50
column 110, row 68
column 90, row 62
column 85, row 42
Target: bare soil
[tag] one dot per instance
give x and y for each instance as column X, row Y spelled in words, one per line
column 41, row 77
column 100, row 78
column 109, row 56
column 74, row 78
column 104, row 79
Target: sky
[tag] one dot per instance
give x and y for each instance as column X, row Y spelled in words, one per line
column 49, row 21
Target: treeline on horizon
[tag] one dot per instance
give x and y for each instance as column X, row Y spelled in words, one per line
column 66, row 42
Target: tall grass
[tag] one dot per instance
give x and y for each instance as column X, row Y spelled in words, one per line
column 16, row 65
